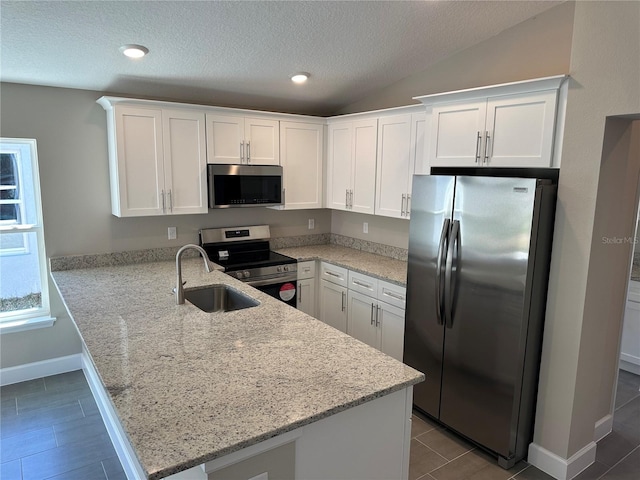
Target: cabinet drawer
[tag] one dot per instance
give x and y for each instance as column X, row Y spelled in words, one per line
column 392, row 294
column 306, row 270
column 363, row 284
column 334, row 274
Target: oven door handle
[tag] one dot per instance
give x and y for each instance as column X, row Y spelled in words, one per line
column 272, row 281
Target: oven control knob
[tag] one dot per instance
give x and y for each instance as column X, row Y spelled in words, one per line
column 278, row 269
column 239, row 275
column 286, row 269
column 247, row 274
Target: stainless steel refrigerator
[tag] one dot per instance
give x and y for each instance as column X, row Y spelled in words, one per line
column 479, row 252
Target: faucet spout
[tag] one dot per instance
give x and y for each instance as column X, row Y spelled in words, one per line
column 179, row 285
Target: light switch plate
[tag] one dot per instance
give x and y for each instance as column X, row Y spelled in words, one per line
column 312, row 224
column 365, row 227
column 172, row 233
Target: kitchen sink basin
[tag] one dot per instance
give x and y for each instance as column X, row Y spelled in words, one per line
column 218, row 298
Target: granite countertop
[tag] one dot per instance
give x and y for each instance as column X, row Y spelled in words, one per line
column 385, row 268
column 190, row 386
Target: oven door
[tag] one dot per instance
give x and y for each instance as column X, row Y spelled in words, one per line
column 283, row 290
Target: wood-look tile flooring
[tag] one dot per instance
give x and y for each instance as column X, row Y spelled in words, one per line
column 438, row 454
column 50, row 428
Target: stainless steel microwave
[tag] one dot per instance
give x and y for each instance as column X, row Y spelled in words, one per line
column 244, row 185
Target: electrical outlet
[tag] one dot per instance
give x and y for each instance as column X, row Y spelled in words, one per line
column 365, row 227
column 312, row 224
column 172, row 233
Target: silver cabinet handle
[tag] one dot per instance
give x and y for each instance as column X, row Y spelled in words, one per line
column 363, row 285
column 332, row 274
column 299, row 293
column 248, row 151
column 170, row 201
column 402, row 205
column 393, row 295
column 164, row 208
column 377, row 315
column 486, row 147
column 351, row 199
column 241, row 152
column 478, row 140
column 346, row 198
column 407, row 211
column 372, row 319
column 343, row 295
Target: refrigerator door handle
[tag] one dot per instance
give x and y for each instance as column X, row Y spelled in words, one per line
column 449, row 279
column 439, row 264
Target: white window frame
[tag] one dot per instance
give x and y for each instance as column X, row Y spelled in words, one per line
column 20, row 202
column 33, row 317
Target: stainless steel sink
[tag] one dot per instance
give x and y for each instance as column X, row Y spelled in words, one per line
column 218, row 298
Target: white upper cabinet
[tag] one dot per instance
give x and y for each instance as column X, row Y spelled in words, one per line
column 242, row 140
column 510, row 125
column 157, row 160
column 400, row 155
column 351, row 166
column 301, row 147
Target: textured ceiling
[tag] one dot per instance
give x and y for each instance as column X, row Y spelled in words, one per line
column 241, row 53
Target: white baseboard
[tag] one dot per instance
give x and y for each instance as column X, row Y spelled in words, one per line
column 603, row 428
column 132, row 468
column 629, row 364
column 558, row 467
column 45, row 368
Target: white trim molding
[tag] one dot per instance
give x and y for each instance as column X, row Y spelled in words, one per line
column 558, row 467
column 45, row 368
column 603, row 428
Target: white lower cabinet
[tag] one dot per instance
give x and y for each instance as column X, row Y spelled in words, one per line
column 366, row 308
column 630, row 343
column 333, row 305
column 306, row 301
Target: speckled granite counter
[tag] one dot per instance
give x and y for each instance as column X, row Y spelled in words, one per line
column 385, row 268
column 190, row 386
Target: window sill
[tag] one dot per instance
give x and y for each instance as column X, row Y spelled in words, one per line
column 26, row 324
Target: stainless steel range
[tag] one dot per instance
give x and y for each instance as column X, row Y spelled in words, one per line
column 245, row 254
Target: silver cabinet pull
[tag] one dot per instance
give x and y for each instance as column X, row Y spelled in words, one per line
column 372, row 319
column 170, row 201
column 343, row 295
column 393, row 295
column 363, row 285
column 478, row 140
column 241, row 152
column 377, row 315
column 248, row 151
column 332, row 274
column 404, row 197
column 164, row 208
column 299, row 292
column 346, row 198
column 407, row 211
column 486, row 147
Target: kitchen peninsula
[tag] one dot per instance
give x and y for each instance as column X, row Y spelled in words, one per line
column 206, row 391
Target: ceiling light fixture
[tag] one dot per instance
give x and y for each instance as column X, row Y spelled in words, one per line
column 300, row 77
column 134, row 51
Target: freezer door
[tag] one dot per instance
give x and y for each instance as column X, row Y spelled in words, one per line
column 486, row 335
column 431, row 210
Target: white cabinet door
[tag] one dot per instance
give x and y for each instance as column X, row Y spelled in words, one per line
column 262, row 140
column 363, row 189
column 520, row 130
column 307, row 296
column 339, row 165
column 240, row 140
column 361, row 322
column 393, row 165
column 456, row 134
column 185, row 182
column 418, row 146
column 333, row 305
column 351, row 170
column 390, row 322
column 630, row 343
column 225, row 139
column 301, row 160
column 137, row 175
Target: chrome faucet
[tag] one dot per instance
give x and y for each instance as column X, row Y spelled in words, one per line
column 179, row 290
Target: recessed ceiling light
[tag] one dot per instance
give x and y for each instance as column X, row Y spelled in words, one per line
column 134, row 51
column 300, row 77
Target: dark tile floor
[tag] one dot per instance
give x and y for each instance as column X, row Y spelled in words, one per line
column 439, row 454
column 50, row 428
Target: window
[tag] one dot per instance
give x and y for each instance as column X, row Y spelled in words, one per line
column 24, row 299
